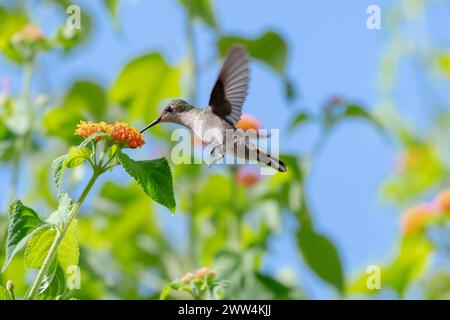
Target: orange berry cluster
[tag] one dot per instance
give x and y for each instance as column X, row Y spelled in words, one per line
column 415, row 218
column 121, row 133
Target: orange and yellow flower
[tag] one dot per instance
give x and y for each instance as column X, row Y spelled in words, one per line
column 442, row 201
column 121, row 133
column 248, row 122
column 247, row 177
column 415, row 218
column 88, row 128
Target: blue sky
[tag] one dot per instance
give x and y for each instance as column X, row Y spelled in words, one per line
column 331, row 52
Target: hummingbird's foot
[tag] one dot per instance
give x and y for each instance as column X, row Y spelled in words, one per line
column 215, row 160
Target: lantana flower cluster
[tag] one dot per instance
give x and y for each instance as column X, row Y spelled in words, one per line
column 121, row 133
column 416, row 218
column 198, row 275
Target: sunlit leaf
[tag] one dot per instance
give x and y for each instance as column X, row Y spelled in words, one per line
column 69, row 252
column 153, row 176
column 41, row 241
column 38, row 247
column 24, row 221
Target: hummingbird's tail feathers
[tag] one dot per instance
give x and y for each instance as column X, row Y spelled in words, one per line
column 268, row 160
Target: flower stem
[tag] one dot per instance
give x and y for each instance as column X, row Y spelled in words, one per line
column 59, row 236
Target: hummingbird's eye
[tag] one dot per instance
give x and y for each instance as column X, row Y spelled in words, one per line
column 169, row 108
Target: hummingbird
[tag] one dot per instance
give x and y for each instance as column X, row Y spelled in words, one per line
column 222, row 114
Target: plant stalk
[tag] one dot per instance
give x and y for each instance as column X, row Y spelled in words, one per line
column 59, row 236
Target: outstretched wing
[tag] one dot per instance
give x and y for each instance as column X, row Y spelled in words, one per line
column 230, row 90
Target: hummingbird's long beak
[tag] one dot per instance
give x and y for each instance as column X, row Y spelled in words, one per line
column 156, row 121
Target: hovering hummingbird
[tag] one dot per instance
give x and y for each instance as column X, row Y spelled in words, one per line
column 223, row 113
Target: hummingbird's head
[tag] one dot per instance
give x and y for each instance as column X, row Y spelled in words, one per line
column 171, row 113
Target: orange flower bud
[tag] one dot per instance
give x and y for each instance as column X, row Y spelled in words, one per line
column 247, row 177
column 415, row 218
column 443, row 201
column 248, row 122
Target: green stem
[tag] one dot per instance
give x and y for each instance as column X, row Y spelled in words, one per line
column 59, row 236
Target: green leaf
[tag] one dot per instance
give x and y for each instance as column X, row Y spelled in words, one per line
column 337, row 112
column 24, row 221
column 84, row 100
column 279, row 289
column 69, row 252
column 58, row 168
column 86, row 96
column 299, row 119
column 76, row 156
column 54, row 284
column 10, row 23
column 61, row 122
column 61, row 215
column 69, row 38
column 321, row 256
column 154, row 176
column 39, row 245
column 112, row 6
column 438, row 287
column 410, row 264
column 4, row 294
column 165, row 292
column 201, row 10
column 143, row 83
column 92, row 138
column 275, row 58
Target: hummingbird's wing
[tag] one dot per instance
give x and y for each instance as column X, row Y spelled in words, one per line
column 230, row 90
